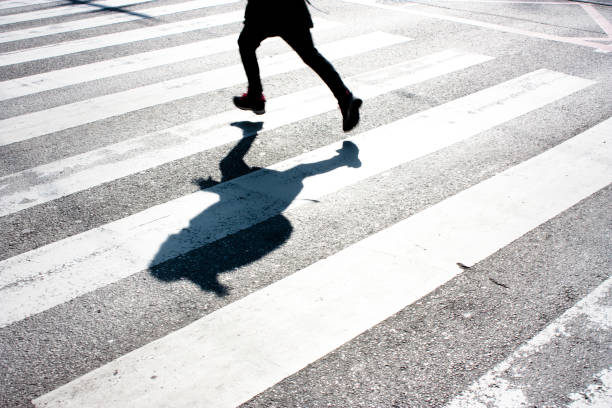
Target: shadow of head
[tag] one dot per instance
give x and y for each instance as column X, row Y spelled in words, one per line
column 257, row 235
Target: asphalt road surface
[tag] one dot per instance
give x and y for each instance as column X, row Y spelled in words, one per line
column 160, row 248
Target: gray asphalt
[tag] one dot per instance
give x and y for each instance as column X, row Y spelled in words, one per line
column 424, row 355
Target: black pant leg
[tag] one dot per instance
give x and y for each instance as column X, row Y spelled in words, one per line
column 249, row 40
column 302, row 44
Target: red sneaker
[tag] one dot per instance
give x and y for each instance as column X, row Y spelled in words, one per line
column 256, row 104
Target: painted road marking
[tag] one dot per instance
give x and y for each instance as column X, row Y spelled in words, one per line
column 66, row 10
column 259, row 339
column 24, row 127
column 502, row 385
column 124, row 37
column 22, row 3
column 50, row 275
column 599, row 19
column 492, row 26
column 104, row 69
column 53, row 180
column 107, row 19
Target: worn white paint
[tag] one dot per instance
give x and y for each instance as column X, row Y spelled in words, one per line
column 53, row 180
column 107, row 19
column 585, row 42
column 30, row 125
column 24, row 127
column 50, row 275
column 234, row 353
column 596, row 395
column 6, row 4
column 64, row 11
column 132, row 63
column 503, row 386
column 123, row 37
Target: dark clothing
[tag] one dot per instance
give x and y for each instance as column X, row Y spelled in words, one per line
column 278, row 15
column 290, row 20
column 301, row 42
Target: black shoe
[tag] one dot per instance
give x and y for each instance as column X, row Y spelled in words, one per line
column 256, row 104
column 350, row 112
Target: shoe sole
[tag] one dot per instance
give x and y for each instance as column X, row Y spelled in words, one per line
column 257, row 112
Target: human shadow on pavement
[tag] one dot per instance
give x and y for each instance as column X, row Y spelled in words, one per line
column 246, row 223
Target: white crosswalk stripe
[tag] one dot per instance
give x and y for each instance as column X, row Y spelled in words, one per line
column 497, row 388
column 21, row 3
column 36, row 124
column 102, row 165
column 316, row 302
column 123, row 37
column 66, row 10
column 252, row 195
column 255, row 341
column 91, row 22
column 132, row 63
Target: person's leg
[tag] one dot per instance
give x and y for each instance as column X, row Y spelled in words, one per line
column 249, row 40
column 302, row 44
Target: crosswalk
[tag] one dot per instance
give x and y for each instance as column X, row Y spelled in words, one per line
column 243, row 340
column 113, row 39
column 61, row 11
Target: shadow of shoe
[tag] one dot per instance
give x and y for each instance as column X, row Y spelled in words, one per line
column 248, row 128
